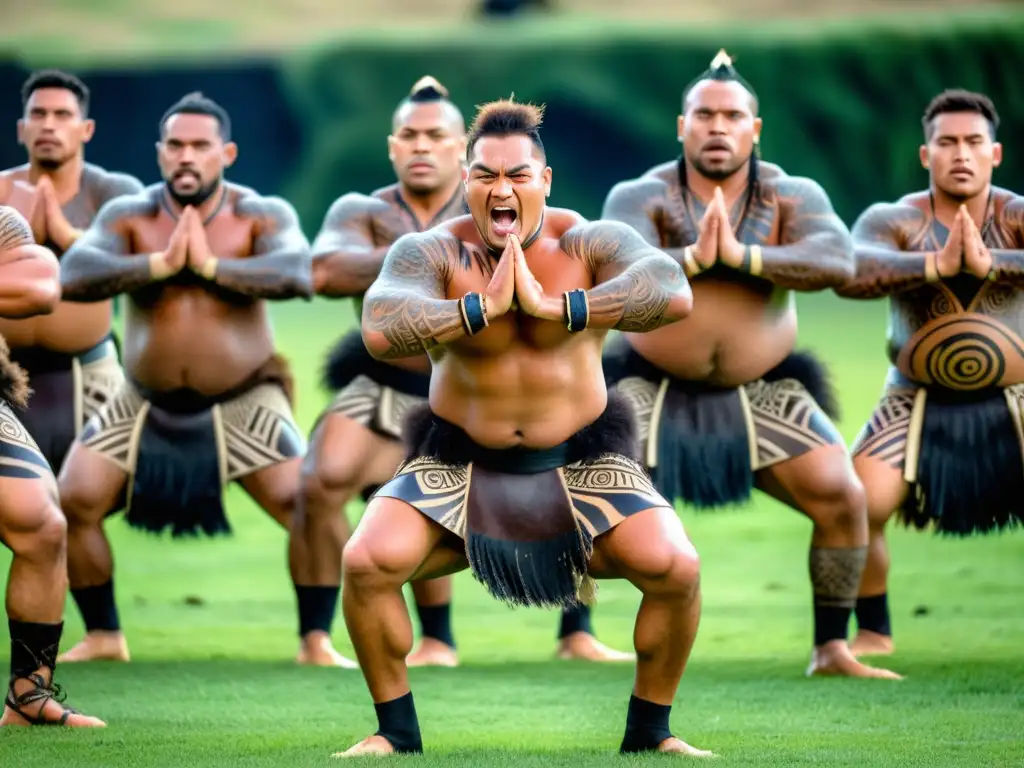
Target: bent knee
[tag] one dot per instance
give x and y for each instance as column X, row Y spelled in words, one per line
column 369, row 563
column 36, row 527
column 838, row 504
column 884, row 489
column 671, row 571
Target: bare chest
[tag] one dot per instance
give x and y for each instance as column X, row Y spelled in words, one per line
column 754, row 220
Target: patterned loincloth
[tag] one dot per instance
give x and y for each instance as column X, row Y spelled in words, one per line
column 67, row 391
column 703, row 444
column 961, row 453
column 528, row 517
column 20, row 457
column 372, row 393
column 180, row 449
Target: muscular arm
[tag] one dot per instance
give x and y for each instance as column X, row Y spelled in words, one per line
column 883, row 267
column 405, row 312
column 1008, row 264
column 637, row 203
column 29, row 273
column 816, row 250
column 637, row 286
column 280, row 265
column 345, row 260
column 98, row 266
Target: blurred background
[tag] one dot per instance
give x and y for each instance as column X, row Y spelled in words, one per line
column 310, row 86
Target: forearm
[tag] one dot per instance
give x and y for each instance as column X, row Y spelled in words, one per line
column 810, row 265
column 284, row 275
column 29, row 286
column 883, row 272
column 1008, row 266
column 651, row 293
column 88, row 274
column 341, row 274
column 404, row 324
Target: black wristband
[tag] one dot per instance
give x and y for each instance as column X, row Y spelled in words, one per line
column 474, row 316
column 577, row 310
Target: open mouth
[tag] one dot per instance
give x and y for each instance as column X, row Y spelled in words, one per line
column 503, row 220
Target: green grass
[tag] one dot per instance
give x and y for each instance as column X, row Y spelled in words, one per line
column 212, row 682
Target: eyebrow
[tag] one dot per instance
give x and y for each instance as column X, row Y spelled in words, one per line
column 510, row 171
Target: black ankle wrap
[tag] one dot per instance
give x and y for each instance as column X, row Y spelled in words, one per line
column 317, row 606
column 646, row 725
column 33, row 646
column 397, row 722
column 436, row 622
column 873, row 614
column 96, row 604
column 575, row 619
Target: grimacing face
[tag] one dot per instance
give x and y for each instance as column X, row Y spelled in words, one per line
column 52, row 128
column 192, row 156
column 960, row 154
column 507, row 186
column 427, row 146
column 718, row 128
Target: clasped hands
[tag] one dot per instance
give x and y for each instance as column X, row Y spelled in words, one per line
column 41, row 208
column 513, row 286
column 964, row 251
column 187, row 248
column 716, row 241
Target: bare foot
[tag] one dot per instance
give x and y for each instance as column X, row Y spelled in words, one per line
column 583, row 646
column 835, row 658
column 317, row 651
column 432, row 653
column 868, row 643
column 679, row 747
column 371, row 745
column 41, row 701
column 98, row 646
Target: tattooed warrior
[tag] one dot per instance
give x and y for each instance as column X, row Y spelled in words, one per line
column 521, row 465
column 724, row 402
column 206, row 400
column 31, row 523
column 70, row 354
column 943, row 448
column 357, row 442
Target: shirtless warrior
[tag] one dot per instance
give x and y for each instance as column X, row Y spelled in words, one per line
column 521, row 465
column 723, row 401
column 356, row 444
column 31, row 523
column 70, row 354
column 207, row 401
column 944, row 447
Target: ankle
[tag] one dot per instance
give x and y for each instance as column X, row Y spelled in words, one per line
column 397, row 722
column 646, row 725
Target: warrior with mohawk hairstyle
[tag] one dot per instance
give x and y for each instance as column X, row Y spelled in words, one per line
column 724, row 402
column 520, row 465
column 427, row 145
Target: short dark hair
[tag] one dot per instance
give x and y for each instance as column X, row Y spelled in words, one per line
column 55, row 78
column 196, row 103
column 506, row 117
column 959, row 100
column 426, row 90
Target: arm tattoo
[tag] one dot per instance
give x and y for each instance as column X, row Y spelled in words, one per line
column 115, row 185
column 883, row 267
column 280, row 265
column 1009, row 263
column 14, row 229
column 405, row 312
column 98, row 266
column 345, row 259
column 637, row 286
column 816, row 250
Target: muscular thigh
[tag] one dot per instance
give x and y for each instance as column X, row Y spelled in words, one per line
column 642, row 548
column 821, row 475
column 884, row 486
column 394, row 538
column 91, row 485
column 25, row 505
column 346, row 454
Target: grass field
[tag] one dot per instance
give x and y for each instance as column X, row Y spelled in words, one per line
column 211, row 626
